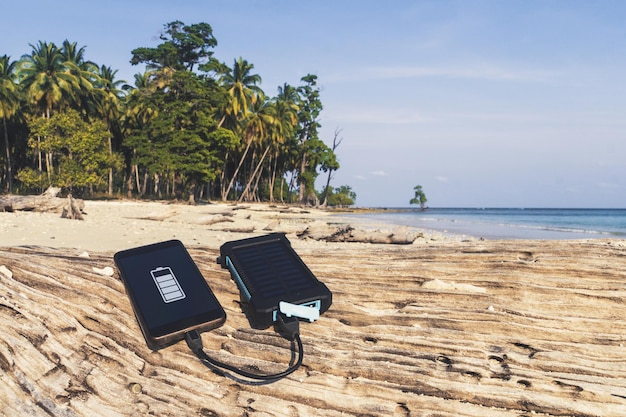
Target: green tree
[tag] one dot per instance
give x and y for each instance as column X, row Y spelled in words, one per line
column 310, row 107
column 165, row 88
column 180, row 143
column 79, row 148
column 9, row 105
column 183, row 47
column 341, row 196
column 330, row 164
column 420, row 197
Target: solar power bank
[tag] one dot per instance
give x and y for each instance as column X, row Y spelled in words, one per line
column 272, row 278
column 168, row 293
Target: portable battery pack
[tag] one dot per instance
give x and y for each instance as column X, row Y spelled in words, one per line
column 168, row 293
column 272, row 278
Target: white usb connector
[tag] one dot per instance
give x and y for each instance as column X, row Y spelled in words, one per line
column 304, row 312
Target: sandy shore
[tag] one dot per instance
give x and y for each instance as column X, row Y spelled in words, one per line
column 117, row 225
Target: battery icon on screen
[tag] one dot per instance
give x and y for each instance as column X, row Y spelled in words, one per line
column 167, row 284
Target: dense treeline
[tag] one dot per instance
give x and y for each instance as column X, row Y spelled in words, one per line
column 190, row 126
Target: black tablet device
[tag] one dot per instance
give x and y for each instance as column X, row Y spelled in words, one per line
column 168, row 293
column 270, row 274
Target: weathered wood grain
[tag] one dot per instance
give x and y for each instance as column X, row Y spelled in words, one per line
column 431, row 329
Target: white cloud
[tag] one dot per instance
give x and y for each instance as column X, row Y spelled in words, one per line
column 489, row 72
column 379, row 173
column 441, row 178
column 608, row 185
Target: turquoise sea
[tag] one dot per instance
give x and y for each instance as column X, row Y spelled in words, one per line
column 509, row 223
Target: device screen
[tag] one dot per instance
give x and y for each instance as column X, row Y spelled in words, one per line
column 166, row 288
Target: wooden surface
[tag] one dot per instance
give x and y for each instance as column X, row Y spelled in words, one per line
column 432, row 329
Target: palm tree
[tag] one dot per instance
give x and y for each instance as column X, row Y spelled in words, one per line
column 242, row 88
column 254, row 128
column 9, row 104
column 47, row 83
column 111, row 89
column 108, row 106
column 244, row 92
column 262, row 125
column 138, row 113
column 85, row 72
column 287, row 120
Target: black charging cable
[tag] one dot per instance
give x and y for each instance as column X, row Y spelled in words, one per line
column 288, row 327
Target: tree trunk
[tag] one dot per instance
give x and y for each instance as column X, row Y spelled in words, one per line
column 157, row 187
column 223, row 176
column 330, row 170
column 302, row 192
column 192, row 195
column 49, row 167
column 39, row 162
column 8, row 156
column 110, row 169
column 129, row 183
column 256, row 170
column 137, row 179
column 325, row 201
column 232, row 180
column 144, row 186
column 273, row 176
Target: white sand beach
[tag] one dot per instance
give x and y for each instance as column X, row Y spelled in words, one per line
column 117, row 225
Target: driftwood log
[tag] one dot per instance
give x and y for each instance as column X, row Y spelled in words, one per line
column 445, row 329
column 48, row 202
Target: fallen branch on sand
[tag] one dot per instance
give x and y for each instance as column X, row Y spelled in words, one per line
column 346, row 233
column 158, row 217
column 209, row 220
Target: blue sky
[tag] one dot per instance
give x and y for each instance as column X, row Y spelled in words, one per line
column 514, row 103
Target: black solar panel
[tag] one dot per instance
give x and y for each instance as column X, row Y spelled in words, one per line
column 267, row 271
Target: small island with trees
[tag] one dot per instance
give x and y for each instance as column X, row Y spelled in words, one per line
column 189, row 128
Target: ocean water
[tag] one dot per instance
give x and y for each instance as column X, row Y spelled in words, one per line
column 509, row 223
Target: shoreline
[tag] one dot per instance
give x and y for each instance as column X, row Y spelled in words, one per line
column 111, row 225
column 509, row 223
